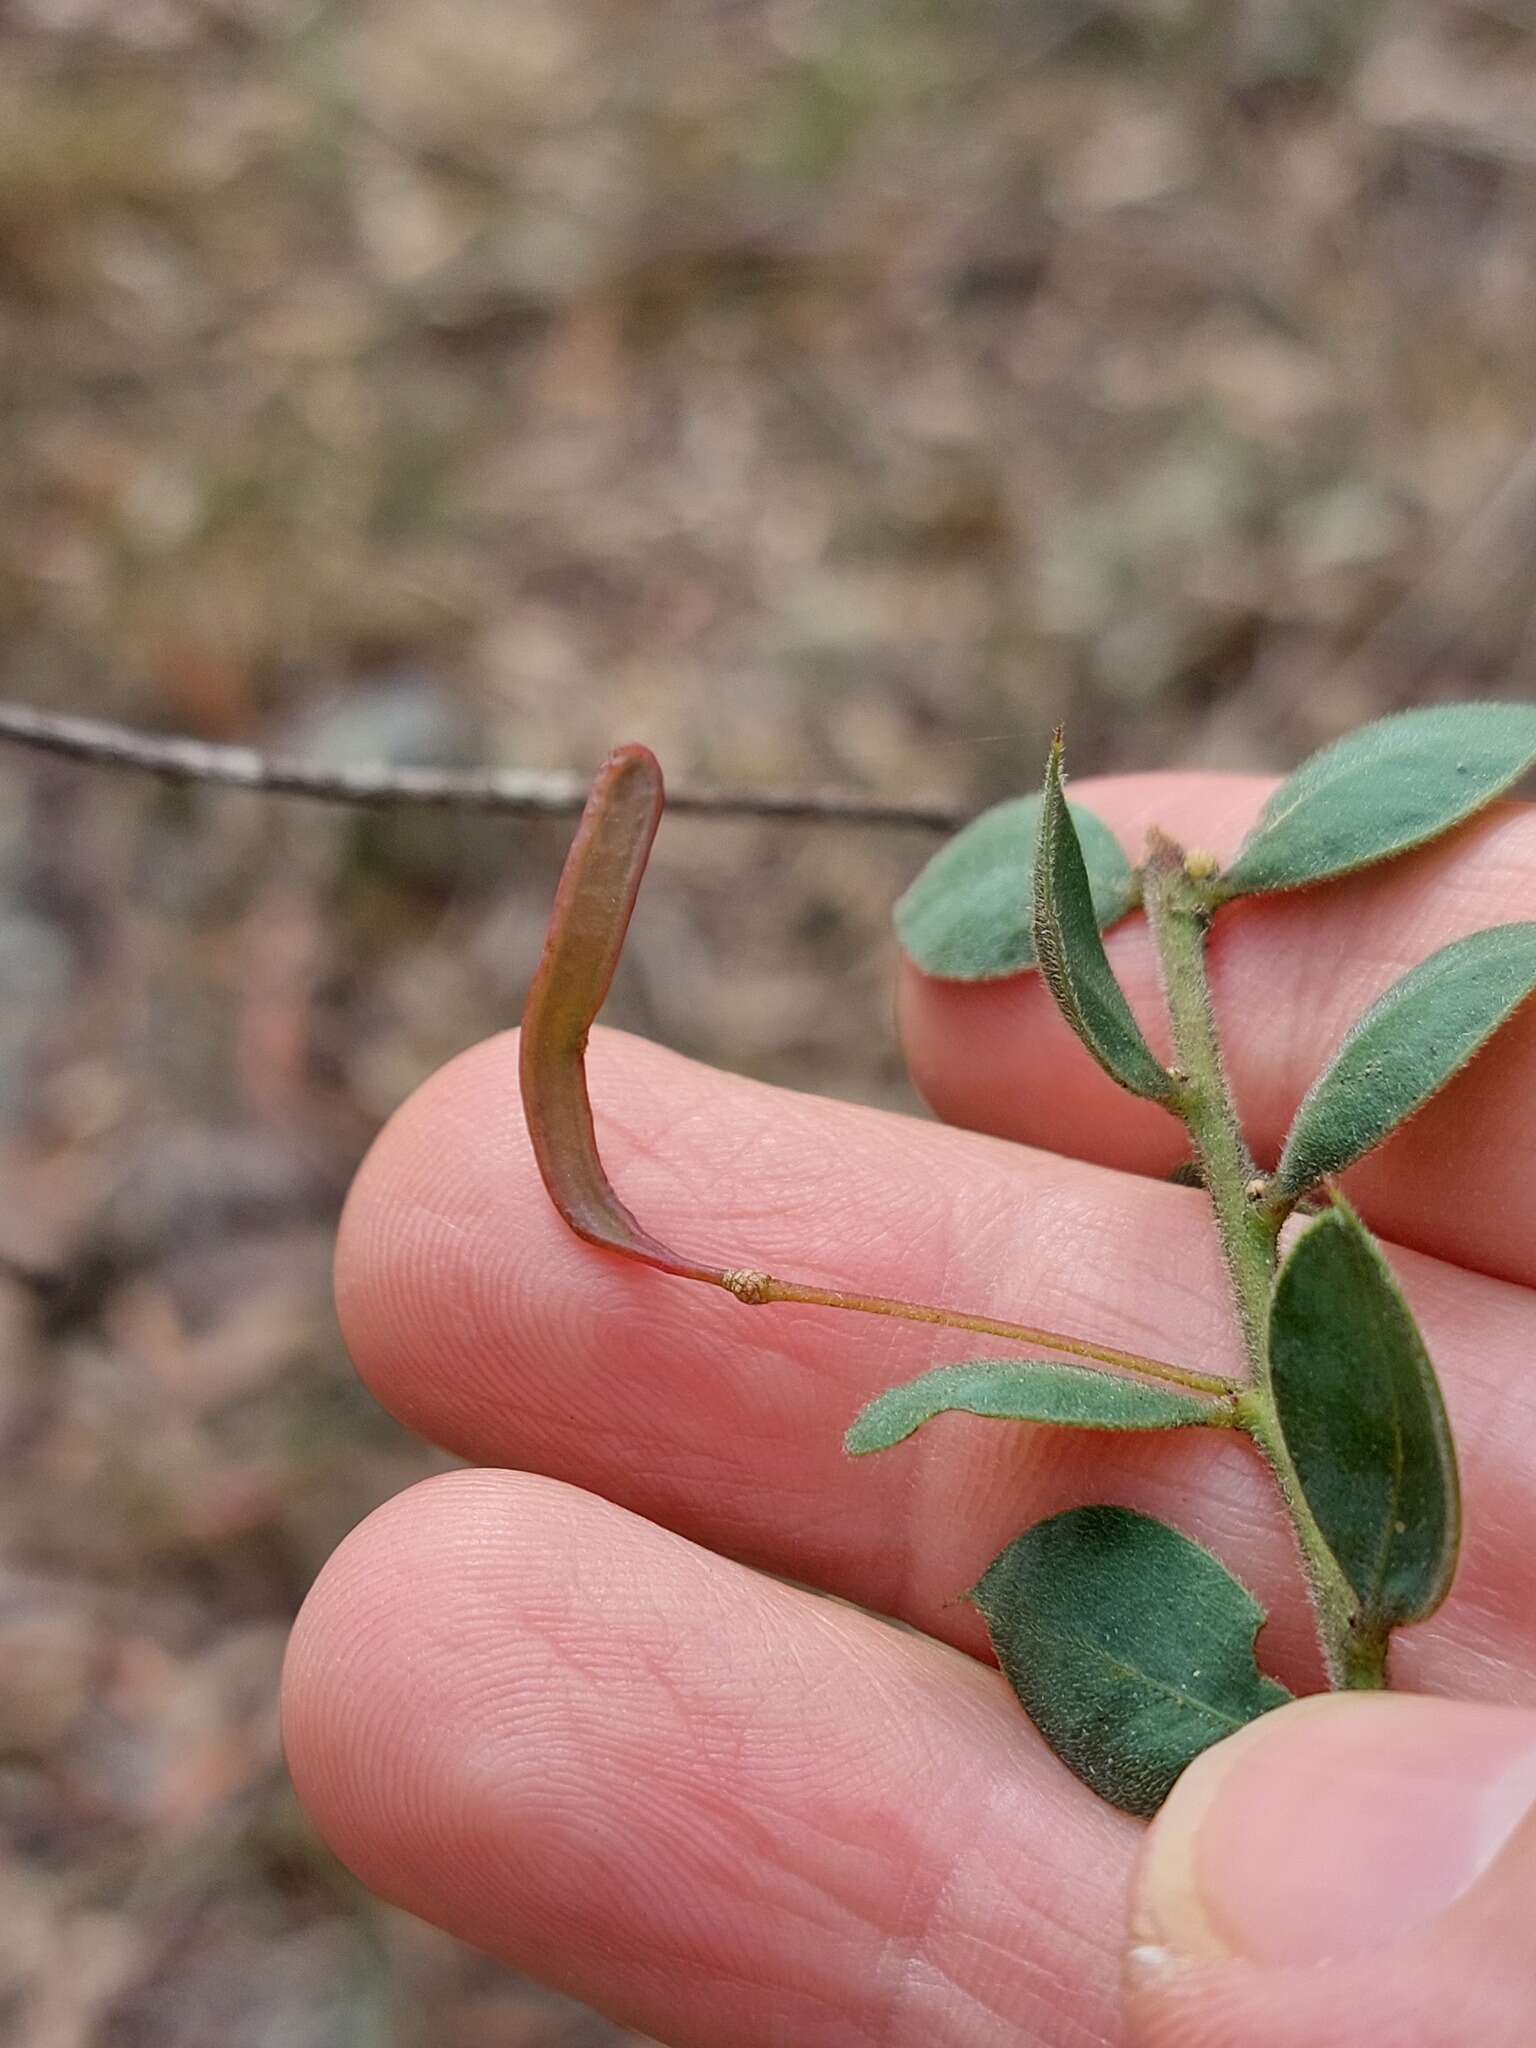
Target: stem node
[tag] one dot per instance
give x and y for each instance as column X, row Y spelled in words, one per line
column 748, row 1285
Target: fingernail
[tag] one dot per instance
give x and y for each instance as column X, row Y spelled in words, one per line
column 1332, row 1827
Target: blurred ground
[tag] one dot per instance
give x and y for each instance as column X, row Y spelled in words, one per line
column 834, row 392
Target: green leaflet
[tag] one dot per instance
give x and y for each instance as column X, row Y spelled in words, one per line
column 1130, row 1646
column 1379, row 791
column 1026, row 1390
column 967, row 916
column 1405, row 1047
column 1072, row 956
column 1361, row 1413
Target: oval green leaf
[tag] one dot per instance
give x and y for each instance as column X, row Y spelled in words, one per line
column 1405, row 1048
column 1362, row 1416
column 1027, row 1390
column 1130, row 1646
column 1071, row 953
column 1381, row 790
column 968, row 915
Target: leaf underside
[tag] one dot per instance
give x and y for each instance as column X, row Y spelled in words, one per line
column 1130, row 1646
column 1362, row 1415
column 967, row 917
column 1071, row 952
column 1377, row 792
column 1404, row 1049
column 1023, row 1390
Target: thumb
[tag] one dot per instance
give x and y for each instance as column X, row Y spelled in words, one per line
column 1360, row 1867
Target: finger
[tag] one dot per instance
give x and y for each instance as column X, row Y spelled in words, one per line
column 714, row 1806
column 486, row 1325
column 1358, row 1855
column 1290, row 973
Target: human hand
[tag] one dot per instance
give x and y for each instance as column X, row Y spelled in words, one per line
column 550, row 1710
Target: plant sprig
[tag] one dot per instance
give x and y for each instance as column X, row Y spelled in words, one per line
column 593, row 906
column 1131, row 1646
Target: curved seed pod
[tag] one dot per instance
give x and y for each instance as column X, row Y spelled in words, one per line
column 593, row 905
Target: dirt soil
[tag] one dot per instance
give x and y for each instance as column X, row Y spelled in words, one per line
column 824, row 393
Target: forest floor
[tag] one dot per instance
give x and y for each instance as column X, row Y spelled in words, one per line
column 823, row 391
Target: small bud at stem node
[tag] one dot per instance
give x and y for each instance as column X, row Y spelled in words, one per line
column 752, row 1287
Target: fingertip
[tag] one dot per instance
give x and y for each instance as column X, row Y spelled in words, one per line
column 422, row 1720
column 1335, row 1827
column 676, row 1789
column 446, row 1234
column 471, row 1100
column 1351, row 1853
column 361, row 1669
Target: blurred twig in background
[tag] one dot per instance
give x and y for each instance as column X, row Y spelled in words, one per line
column 521, row 792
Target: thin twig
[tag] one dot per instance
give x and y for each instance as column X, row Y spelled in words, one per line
column 519, row 791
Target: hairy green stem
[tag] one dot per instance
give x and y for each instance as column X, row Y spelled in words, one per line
column 1356, row 1663
column 1179, row 901
column 1179, row 918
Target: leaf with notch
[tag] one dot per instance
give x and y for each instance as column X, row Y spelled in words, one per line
column 1406, row 1047
column 1361, row 1412
column 967, row 916
column 1026, row 1390
column 1130, row 1646
column 1382, row 790
column 1072, row 956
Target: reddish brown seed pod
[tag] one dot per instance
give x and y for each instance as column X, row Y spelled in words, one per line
column 593, row 906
